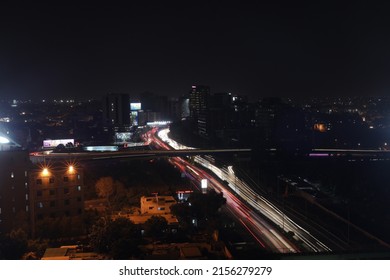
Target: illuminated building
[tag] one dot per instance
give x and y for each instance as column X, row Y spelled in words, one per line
column 135, row 107
column 55, row 191
column 152, row 206
column 198, row 104
column 156, row 205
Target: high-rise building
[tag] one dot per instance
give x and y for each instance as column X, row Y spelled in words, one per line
column 14, row 193
column 184, row 106
column 199, row 97
column 199, row 104
column 116, row 111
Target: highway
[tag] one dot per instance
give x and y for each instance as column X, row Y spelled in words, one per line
column 256, row 217
column 260, row 217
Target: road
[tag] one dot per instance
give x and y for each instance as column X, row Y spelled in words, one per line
column 255, row 212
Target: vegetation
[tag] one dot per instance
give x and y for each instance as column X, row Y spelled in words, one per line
column 204, row 208
column 119, row 238
column 156, row 227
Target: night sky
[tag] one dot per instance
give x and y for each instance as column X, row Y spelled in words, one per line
column 78, row 50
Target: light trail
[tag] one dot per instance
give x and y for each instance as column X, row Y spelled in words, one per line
column 256, row 201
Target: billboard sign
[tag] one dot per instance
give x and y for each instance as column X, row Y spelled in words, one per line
column 135, row 106
column 54, row 143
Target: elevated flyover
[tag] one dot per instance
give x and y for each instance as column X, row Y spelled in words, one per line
column 42, row 156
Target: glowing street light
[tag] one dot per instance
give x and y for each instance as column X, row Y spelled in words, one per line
column 70, row 169
column 45, row 172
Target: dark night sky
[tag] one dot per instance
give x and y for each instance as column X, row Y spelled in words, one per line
column 71, row 50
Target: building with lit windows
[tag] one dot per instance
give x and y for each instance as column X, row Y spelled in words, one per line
column 156, row 205
column 199, row 105
column 55, row 191
column 152, row 206
column 14, row 195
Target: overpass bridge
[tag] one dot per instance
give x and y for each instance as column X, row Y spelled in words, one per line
column 350, row 153
column 129, row 154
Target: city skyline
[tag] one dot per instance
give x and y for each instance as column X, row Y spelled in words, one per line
column 255, row 50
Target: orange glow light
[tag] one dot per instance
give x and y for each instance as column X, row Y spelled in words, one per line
column 45, row 172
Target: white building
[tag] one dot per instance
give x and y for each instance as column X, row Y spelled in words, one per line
column 157, row 205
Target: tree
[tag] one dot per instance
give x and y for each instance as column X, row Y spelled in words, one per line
column 59, row 148
column 105, row 187
column 119, row 238
column 156, row 227
column 13, row 245
column 184, row 214
column 119, row 198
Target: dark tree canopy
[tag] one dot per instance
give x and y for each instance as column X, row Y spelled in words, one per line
column 156, row 227
column 119, row 238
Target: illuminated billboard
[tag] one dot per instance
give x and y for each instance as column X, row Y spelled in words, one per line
column 101, row 148
column 204, row 185
column 122, row 136
column 135, row 106
column 54, row 143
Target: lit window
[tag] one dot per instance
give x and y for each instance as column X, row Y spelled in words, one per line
column 26, row 196
column 26, row 208
column 25, row 173
column 79, row 188
column 78, row 176
column 12, row 175
column 25, row 184
column 40, row 205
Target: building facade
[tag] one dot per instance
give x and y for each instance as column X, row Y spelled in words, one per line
column 14, row 194
column 199, row 105
column 116, row 111
column 157, row 205
column 55, row 192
